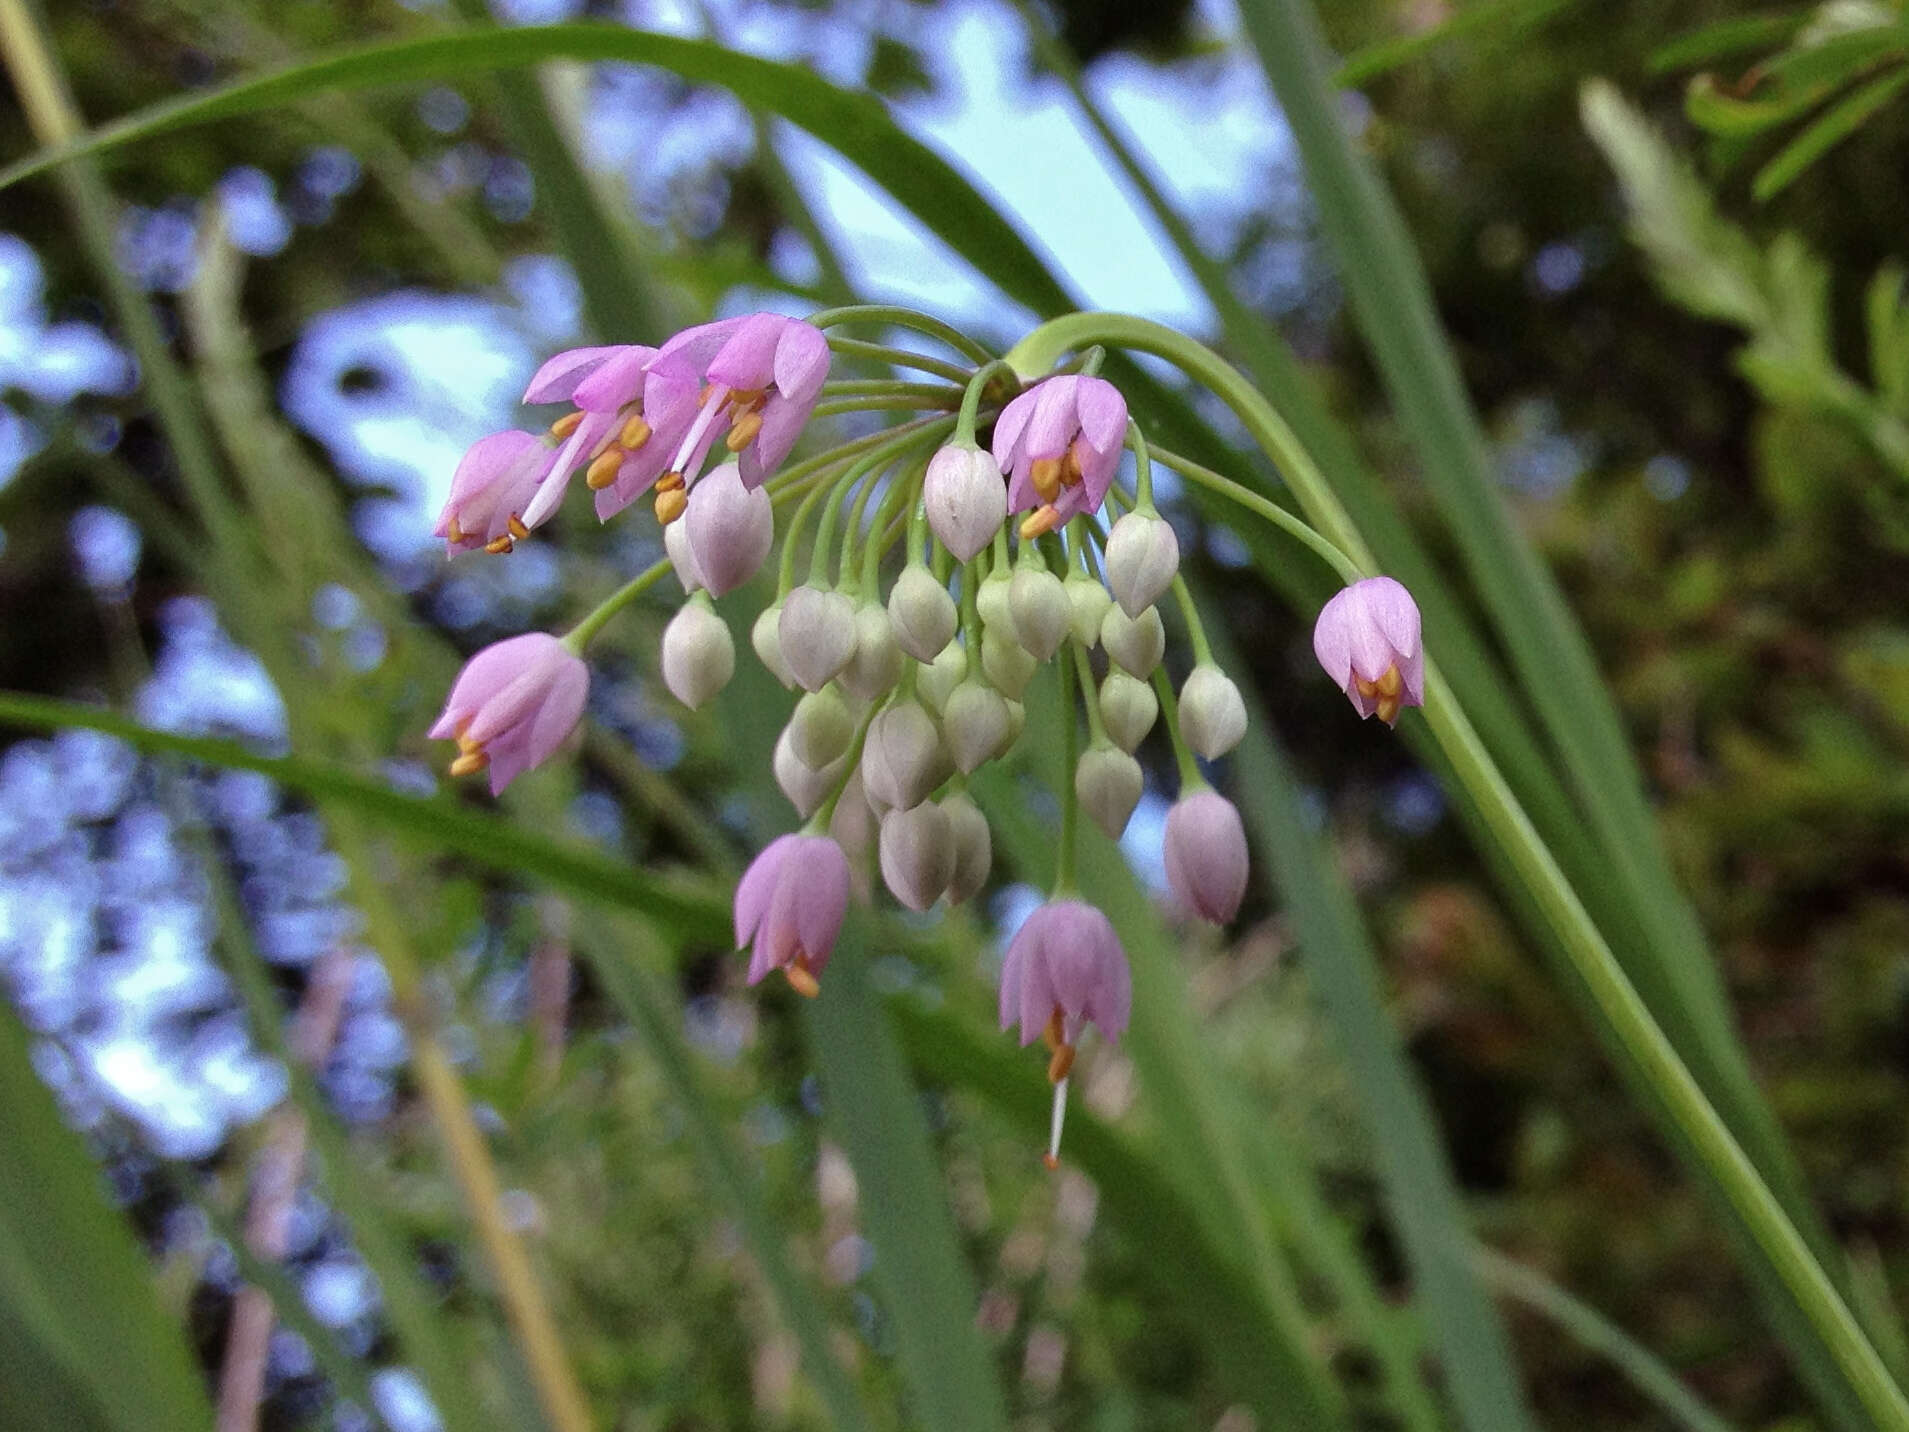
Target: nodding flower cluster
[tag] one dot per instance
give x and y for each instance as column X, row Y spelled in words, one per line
column 903, row 696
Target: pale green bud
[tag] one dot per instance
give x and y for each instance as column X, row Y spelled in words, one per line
column 875, row 666
column 699, row 656
column 805, row 786
column 1108, row 783
column 973, row 847
column 936, row 681
column 1007, row 663
column 902, row 759
column 1087, row 603
column 975, row 722
column 1142, row 557
column 1039, row 606
column 917, row 854
column 921, row 612
column 1137, row 643
column 1128, row 708
column 821, row 728
column 766, row 638
column 1212, row 712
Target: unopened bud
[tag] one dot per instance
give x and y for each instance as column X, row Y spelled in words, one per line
column 921, row 612
column 681, row 558
column 1087, row 603
column 1128, row 708
column 821, row 727
column 1017, row 723
column 731, row 528
column 1212, row 712
column 973, row 847
column 817, row 635
column 852, row 826
column 699, row 656
column 936, row 681
column 991, row 601
column 902, row 760
column 975, row 721
column 805, row 786
column 875, row 666
column 766, row 637
column 1205, row 852
column 1108, row 782
column 966, row 498
column 1040, row 609
column 1142, row 557
column 1137, row 643
column 918, row 854
column 1007, row 663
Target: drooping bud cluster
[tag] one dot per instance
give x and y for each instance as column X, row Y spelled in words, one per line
column 905, row 692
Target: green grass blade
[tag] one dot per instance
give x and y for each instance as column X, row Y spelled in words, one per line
column 1510, row 16
column 617, row 953
column 1392, row 300
column 928, row 1293
column 73, row 1283
column 1420, row 1193
column 1592, row 1330
column 1824, row 133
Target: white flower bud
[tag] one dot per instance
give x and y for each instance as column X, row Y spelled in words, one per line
column 1212, row 712
column 731, row 528
column 1137, row 643
column 991, row 601
column 918, row 854
column 817, row 634
column 975, row 722
column 1007, row 663
column 966, row 498
column 1142, row 557
column 876, row 665
column 699, row 656
column 921, row 612
column 973, row 847
column 1108, row 783
column 1017, row 723
column 1087, row 603
column 821, row 728
column 1040, row 609
column 765, row 636
column 852, row 827
column 1128, row 708
column 936, row 681
column 804, row 785
column 902, row 760
column 682, row 557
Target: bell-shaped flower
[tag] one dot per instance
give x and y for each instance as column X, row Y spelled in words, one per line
column 789, row 908
column 492, row 490
column 512, row 705
column 1059, row 443
column 1065, row 970
column 1367, row 638
column 966, row 498
column 751, row 381
column 1205, row 852
column 730, row 528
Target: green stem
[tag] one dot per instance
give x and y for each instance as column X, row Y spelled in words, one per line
column 1638, row 1034
column 1089, row 694
column 1142, row 468
column 1190, row 614
column 585, row 631
column 971, row 397
column 1252, row 501
column 905, row 493
column 944, row 393
column 1070, row 801
column 1191, row 777
column 943, row 402
column 896, row 316
column 899, row 358
column 818, row 824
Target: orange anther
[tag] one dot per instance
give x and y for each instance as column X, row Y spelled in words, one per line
column 635, row 433
column 744, row 432
column 669, row 482
column 1046, row 476
column 517, row 528
column 801, row 978
column 602, row 472
column 671, row 505
column 497, row 546
column 1050, row 1162
column 470, row 763
column 567, row 424
column 453, row 532
column 1040, row 522
column 1061, row 1064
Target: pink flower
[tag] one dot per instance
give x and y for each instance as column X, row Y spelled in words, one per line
column 1206, row 855
column 759, row 375
column 1367, row 639
column 491, row 491
column 1064, row 970
column 512, row 705
column 789, row 906
column 1059, row 443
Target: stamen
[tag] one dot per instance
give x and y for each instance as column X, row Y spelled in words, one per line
column 1390, row 683
column 454, row 533
column 1046, row 477
column 635, row 433
column 1051, row 1034
column 671, row 505
column 567, row 424
column 1061, row 1065
column 1071, row 473
column 744, row 432
column 470, row 763
column 801, row 978
column 670, row 482
column 497, row 546
column 602, row 472
column 517, row 528
column 747, row 400
column 1052, row 1158
column 1366, row 688
column 1388, row 710
column 1040, row 522
column 466, row 744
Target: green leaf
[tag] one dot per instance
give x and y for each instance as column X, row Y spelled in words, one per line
column 858, row 126
column 1741, row 34
column 1509, row 16
column 928, row 1294
column 1825, row 132
column 83, row 1341
column 1730, row 117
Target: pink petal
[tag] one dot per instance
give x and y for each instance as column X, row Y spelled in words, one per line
column 1010, row 425
column 1331, row 639
column 782, row 421
column 802, row 361
column 616, row 382
column 1102, row 414
column 697, row 346
column 748, row 359
column 1053, row 425
column 819, row 898
column 1393, row 611
column 558, row 378
column 756, row 886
